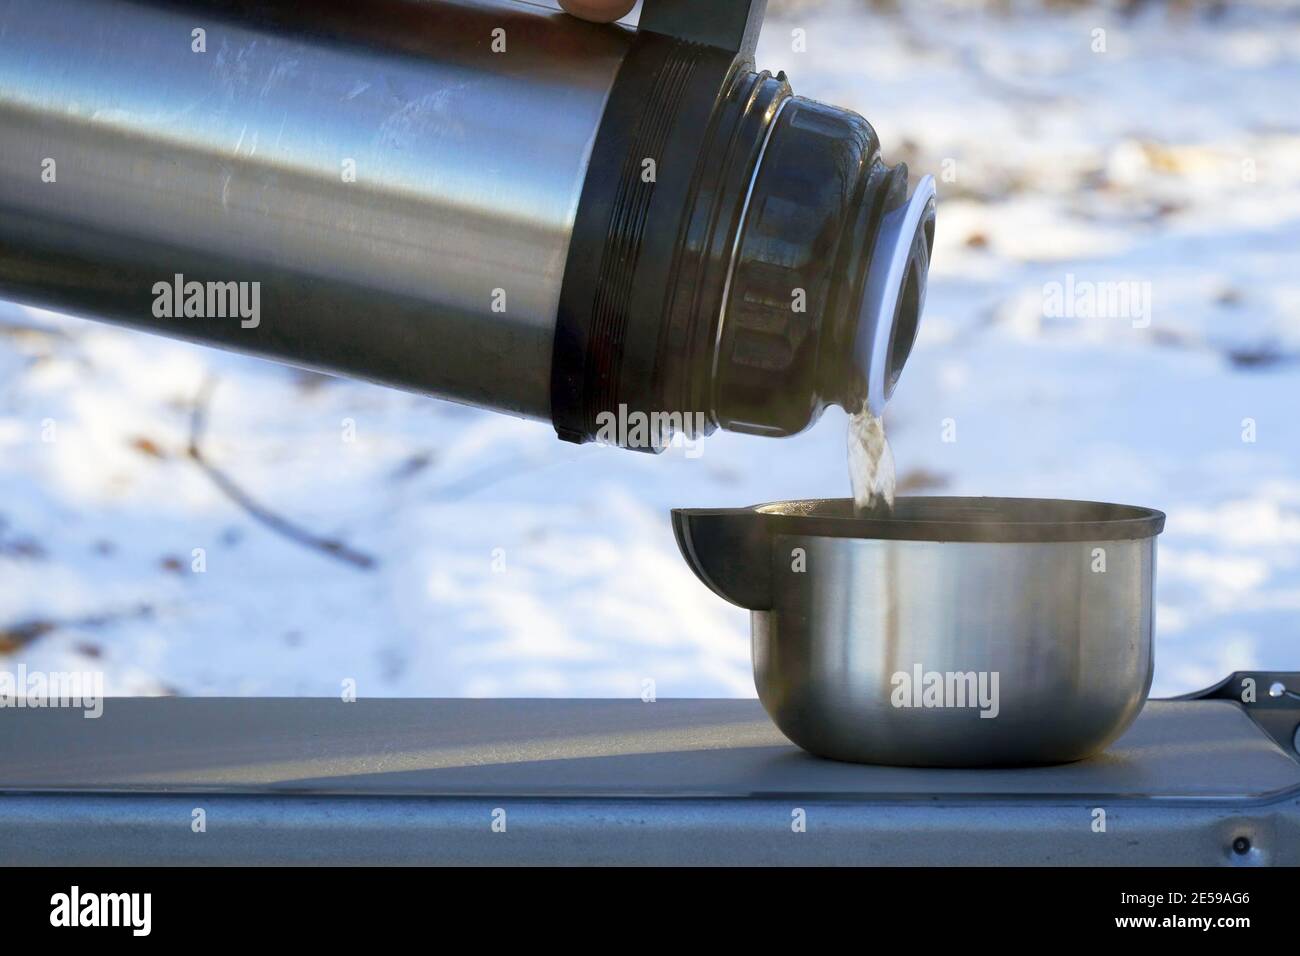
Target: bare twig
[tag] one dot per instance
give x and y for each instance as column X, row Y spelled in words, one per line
column 14, row 637
column 280, row 525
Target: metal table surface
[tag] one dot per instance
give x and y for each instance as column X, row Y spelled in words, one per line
column 307, row 780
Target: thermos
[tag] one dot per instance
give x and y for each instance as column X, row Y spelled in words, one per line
column 488, row 202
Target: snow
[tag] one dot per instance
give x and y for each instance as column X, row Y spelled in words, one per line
column 509, row 563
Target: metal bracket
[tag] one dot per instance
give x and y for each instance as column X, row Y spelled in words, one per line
column 1270, row 698
column 731, row 26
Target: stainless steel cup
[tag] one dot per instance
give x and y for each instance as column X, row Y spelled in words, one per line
column 955, row 632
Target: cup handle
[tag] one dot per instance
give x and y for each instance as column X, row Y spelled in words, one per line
column 729, row 550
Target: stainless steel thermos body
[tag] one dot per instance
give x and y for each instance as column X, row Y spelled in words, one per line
column 487, row 202
column 379, row 182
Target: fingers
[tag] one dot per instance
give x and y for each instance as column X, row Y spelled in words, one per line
column 602, row 11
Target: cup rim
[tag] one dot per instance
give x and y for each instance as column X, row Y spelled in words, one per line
column 953, row 518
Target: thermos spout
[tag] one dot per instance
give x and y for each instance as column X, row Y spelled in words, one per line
column 829, row 277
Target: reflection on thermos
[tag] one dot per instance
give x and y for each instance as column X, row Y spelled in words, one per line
column 488, row 202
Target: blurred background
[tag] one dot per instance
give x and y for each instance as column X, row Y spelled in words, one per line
column 438, row 550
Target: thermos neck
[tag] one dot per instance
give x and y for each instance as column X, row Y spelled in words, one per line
column 805, row 319
column 750, row 281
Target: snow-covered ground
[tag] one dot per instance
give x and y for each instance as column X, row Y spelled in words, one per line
column 509, row 563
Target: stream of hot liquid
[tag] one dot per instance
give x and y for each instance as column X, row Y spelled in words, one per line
column 871, row 464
